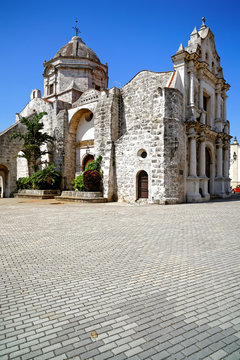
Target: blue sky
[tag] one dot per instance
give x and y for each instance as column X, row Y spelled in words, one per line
column 129, row 35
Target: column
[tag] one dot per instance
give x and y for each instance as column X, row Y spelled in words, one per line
column 225, row 108
column 202, row 164
column 219, row 159
column 200, row 94
column 193, row 154
column 218, row 107
column 203, row 115
column 191, row 89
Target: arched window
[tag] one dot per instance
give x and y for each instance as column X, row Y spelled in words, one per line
column 142, row 181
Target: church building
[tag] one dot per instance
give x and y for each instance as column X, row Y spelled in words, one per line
column 163, row 137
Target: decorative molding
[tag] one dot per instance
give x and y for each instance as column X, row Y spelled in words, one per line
column 84, row 144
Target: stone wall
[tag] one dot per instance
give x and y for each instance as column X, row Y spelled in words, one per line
column 151, row 121
column 174, row 147
column 8, row 157
column 105, row 132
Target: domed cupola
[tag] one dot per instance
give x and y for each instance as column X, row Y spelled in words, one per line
column 74, row 69
column 77, row 48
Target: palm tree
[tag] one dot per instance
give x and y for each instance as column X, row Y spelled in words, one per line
column 33, row 139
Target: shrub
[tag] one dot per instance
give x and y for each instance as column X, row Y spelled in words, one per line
column 46, row 179
column 78, row 183
column 95, row 164
column 92, row 180
column 24, row 183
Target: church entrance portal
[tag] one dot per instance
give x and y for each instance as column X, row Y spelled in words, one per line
column 86, row 161
column 142, row 185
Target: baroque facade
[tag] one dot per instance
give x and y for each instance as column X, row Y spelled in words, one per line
column 164, row 137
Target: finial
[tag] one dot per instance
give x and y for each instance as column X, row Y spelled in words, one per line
column 76, row 28
column 194, row 31
column 203, row 21
column 180, row 48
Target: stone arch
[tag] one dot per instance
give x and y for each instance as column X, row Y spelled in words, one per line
column 77, row 117
column 4, row 183
column 81, row 131
column 142, row 185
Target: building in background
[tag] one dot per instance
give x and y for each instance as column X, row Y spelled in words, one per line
column 235, row 163
column 164, row 137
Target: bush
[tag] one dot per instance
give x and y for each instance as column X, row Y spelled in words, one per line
column 92, row 180
column 78, row 183
column 95, row 164
column 46, row 179
column 24, row 183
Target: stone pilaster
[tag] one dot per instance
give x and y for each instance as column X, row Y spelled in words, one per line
column 192, row 180
column 218, row 114
column 218, row 105
column 225, row 108
column 226, row 167
column 191, row 88
column 202, row 165
column 219, row 159
column 219, row 181
column 203, row 115
column 192, row 154
column 203, row 183
column 191, row 101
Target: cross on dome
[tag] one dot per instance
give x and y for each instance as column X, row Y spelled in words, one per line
column 76, row 28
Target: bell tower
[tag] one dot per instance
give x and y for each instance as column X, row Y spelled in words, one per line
column 74, row 69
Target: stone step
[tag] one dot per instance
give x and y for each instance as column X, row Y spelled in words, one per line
column 82, row 200
column 37, row 194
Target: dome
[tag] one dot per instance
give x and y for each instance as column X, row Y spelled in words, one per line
column 77, row 48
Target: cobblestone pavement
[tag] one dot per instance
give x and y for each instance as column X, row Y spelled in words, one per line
column 116, row 281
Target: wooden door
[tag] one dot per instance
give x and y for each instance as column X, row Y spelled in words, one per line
column 143, row 185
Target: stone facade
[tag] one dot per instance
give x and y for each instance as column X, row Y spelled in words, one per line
column 164, row 137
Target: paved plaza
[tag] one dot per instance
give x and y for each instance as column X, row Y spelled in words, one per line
column 119, row 281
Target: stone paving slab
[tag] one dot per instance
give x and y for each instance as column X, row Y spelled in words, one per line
column 118, row 281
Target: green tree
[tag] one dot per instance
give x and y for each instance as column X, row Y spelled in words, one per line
column 33, row 140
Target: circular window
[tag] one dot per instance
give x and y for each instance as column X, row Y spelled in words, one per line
column 89, row 117
column 142, row 153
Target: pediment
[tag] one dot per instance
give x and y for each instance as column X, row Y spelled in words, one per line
column 90, row 95
column 208, row 44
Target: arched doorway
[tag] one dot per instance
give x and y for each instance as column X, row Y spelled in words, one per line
column 81, row 139
column 142, row 185
column 87, row 159
column 1, row 186
column 4, row 191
